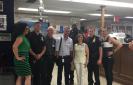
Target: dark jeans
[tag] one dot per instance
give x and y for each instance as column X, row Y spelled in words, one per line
column 108, row 67
column 66, row 64
column 48, row 69
column 37, row 71
column 93, row 68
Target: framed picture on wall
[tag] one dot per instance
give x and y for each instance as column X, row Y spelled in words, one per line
column 5, row 37
column 3, row 23
column 1, row 6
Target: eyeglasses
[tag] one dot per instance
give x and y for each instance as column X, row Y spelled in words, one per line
column 90, row 31
column 103, row 31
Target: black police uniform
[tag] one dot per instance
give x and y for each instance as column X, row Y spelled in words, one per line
column 108, row 60
column 49, row 59
column 37, row 45
column 94, row 44
column 73, row 33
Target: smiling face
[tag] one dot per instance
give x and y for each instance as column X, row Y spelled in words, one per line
column 50, row 31
column 91, row 32
column 37, row 27
column 66, row 32
column 103, row 32
column 80, row 38
column 26, row 31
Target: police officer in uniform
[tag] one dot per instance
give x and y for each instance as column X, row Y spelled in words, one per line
column 49, row 59
column 95, row 57
column 38, row 50
column 108, row 51
column 73, row 34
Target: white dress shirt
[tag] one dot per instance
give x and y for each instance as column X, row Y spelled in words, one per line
column 66, row 46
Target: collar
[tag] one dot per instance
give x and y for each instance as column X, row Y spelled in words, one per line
column 37, row 33
column 80, row 44
column 64, row 38
column 49, row 37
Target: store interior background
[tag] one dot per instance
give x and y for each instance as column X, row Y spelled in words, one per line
column 80, row 13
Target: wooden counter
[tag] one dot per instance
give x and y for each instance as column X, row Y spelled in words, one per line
column 123, row 66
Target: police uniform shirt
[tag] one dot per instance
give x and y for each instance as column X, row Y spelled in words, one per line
column 94, row 43
column 50, row 46
column 73, row 33
column 36, row 41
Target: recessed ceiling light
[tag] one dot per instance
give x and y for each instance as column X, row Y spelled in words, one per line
column 49, row 11
column 104, row 2
column 95, row 14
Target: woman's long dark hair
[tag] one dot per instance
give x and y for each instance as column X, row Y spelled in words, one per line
column 18, row 30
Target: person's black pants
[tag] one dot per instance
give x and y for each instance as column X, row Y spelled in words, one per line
column 108, row 67
column 71, row 77
column 48, row 69
column 37, row 72
column 66, row 64
column 93, row 68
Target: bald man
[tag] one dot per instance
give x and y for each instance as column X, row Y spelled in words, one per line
column 49, row 55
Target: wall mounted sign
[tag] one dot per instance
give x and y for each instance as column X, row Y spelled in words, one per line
column 3, row 23
column 5, row 37
column 1, row 6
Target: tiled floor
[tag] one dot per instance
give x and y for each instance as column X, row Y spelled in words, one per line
column 54, row 79
column 9, row 80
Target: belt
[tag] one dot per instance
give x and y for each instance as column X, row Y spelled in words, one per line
column 108, row 57
column 65, row 56
column 49, row 55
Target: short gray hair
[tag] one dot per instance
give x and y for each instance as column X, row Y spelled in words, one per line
column 66, row 28
column 50, row 27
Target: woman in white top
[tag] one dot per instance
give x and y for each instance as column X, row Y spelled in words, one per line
column 81, row 55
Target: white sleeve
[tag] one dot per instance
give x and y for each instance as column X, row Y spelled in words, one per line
column 71, row 48
column 57, row 44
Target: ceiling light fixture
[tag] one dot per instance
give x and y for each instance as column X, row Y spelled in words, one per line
column 106, row 15
column 48, row 11
column 103, row 2
column 129, row 17
column 41, row 2
column 82, row 19
column 56, row 11
column 28, row 9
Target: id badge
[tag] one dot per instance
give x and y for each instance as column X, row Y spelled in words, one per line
column 41, row 38
column 53, row 45
column 62, row 60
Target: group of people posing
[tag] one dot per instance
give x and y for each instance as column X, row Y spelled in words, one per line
column 35, row 55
